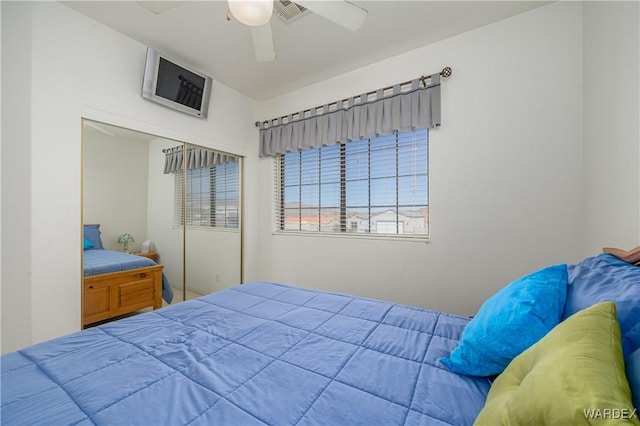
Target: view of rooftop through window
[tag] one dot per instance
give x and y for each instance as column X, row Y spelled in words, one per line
column 371, row 186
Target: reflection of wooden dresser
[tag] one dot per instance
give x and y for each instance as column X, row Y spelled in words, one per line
column 109, row 295
column 153, row 255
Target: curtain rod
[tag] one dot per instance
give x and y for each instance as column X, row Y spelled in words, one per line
column 180, row 148
column 170, row 150
column 446, row 72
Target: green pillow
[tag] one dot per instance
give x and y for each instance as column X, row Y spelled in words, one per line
column 573, row 375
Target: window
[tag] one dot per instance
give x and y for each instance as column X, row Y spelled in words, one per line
column 212, row 196
column 372, row 186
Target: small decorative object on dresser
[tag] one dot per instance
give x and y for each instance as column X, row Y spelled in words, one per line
column 126, row 239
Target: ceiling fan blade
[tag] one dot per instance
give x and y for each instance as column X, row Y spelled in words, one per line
column 159, row 7
column 341, row 12
column 263, row 43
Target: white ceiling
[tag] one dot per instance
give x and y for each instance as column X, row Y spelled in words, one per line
column 309, row 49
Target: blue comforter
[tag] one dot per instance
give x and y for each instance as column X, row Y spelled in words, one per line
column 99, row 261
column 607, row 278
column 260, row 353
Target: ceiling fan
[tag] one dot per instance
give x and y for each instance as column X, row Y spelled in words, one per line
column 257, row 14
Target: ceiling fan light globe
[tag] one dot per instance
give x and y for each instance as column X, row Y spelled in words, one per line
column 253, row 13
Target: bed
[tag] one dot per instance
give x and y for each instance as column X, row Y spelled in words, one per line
column 269, row 353
column 117, row 283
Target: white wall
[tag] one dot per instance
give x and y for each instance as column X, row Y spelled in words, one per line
column 611, row 124
column 16, row 176
column 70, row 67
column 212, row 259
column 115, row 172
column 506, row 191
column 0, row 191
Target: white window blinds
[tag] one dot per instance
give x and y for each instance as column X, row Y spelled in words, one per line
column 371, row 186
column 212, row 196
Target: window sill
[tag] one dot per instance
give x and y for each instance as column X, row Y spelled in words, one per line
column 377, row 237
column 209, row 229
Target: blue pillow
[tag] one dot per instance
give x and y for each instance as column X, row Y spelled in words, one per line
column 509, row 322
column 92, row 234
column 607, row 278
column 87, row 244
column 633, row 375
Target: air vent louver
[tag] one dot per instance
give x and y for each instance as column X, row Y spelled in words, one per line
column 288, row 10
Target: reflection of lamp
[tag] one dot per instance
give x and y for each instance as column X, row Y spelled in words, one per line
column 126, row 239
column 253, row 13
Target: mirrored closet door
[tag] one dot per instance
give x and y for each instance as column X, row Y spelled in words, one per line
column 181, row 210
column 208, row 205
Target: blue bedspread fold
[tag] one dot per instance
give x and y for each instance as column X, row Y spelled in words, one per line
column 607, row 278
column 256, row 354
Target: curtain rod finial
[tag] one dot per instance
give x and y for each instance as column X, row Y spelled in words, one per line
column 257, row 123
column 446, row 72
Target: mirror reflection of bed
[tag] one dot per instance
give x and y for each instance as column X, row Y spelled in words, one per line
column 127, row 189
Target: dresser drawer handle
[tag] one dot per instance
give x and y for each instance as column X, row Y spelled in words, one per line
column 143, row 275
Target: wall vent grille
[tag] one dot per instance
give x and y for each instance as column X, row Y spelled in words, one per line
column 288, row 10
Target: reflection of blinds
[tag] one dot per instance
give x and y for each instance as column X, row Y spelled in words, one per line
column 371, row 186
column 189, row 93
column 212, row 196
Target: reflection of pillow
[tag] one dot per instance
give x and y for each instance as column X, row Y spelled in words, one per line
column 574, row 375
column 601, row 278
column 87, row 244
column 509, row 322
column 633, row 375
column 92, row 234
